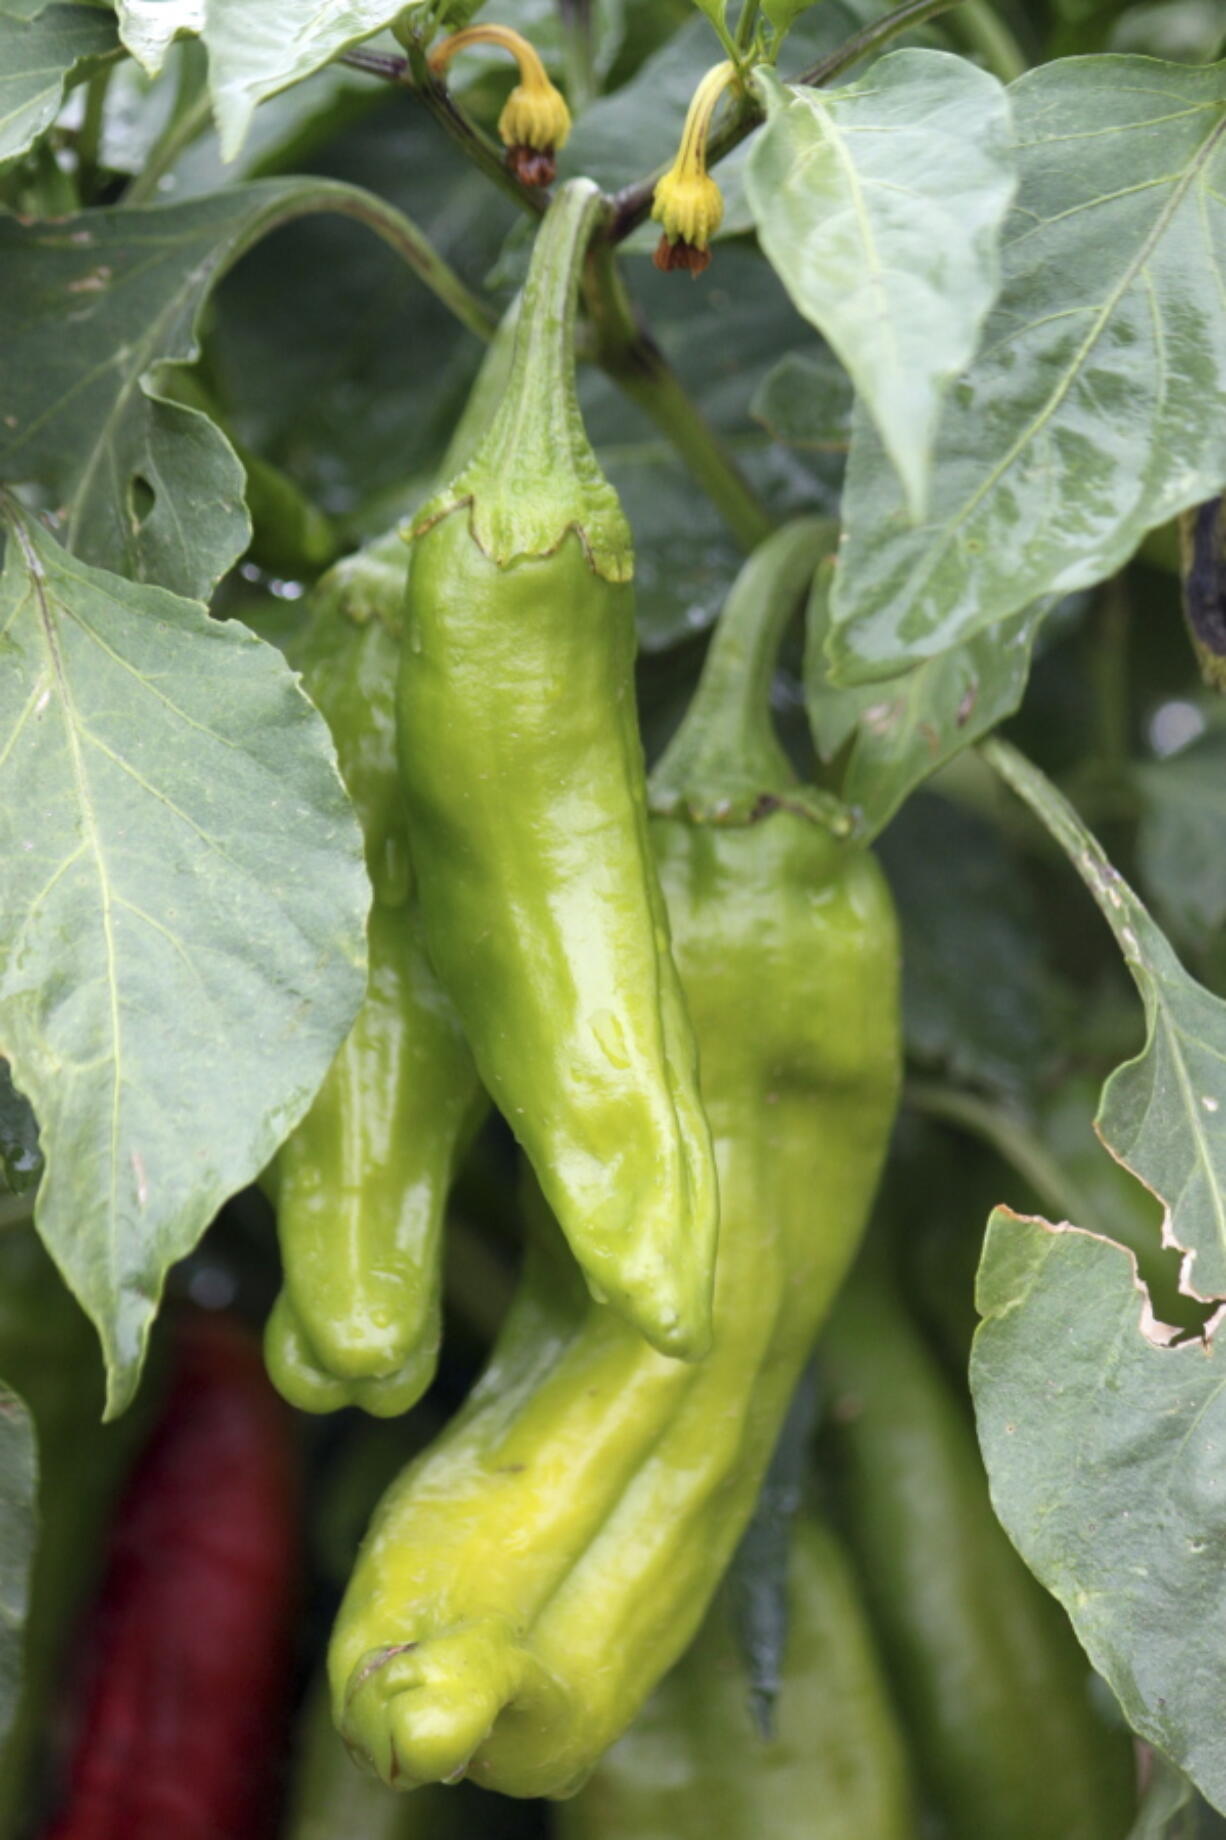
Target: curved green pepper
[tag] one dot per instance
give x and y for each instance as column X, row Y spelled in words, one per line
column 987, row 1670
column 523, row 777
column 361, row 1185
column 695, row 1765
column 527, row 1581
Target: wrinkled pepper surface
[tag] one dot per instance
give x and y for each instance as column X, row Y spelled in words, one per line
column 527, row 1581
column 993, row 1684
column 695, row 1765
column 523, row 777
column 361, row 1185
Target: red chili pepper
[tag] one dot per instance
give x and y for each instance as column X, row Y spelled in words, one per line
column 189, row 1647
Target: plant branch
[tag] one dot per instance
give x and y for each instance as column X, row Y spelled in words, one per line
column 180, row 131
column 635, row 362
column 633, row 204
column 413, row 74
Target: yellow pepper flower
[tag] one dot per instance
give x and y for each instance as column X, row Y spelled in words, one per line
column 688, row 203
column 535, row 121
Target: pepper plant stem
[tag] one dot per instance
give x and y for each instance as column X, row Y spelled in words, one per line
column 414, row 75
column 635, row 362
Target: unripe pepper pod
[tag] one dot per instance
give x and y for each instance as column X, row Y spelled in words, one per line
column 523, row 780
column 526, row 1582
column 535, row 120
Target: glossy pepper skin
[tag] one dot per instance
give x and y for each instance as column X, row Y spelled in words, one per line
column 528, row 1580
column 694, row 1764
column 991, row 1680
column 361, row 1185
column 523, row 778
column 190, row 1643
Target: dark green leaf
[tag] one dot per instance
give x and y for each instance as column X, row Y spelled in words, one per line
column 1107, row 1458
column 1092, row 413
column 91, row 307
column 185, row 897
column 18, row 1522
column 901, row 732
column 1181, row 843
column 758, row 1577
column 39, row 51
column 975, row 1000
column 782, row 13
column 21, row 1160
column 881, row 208
column 805, row 402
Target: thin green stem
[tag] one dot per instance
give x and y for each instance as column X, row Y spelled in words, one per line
column 1013, row 1140
column 89, row 134
column 185, row 126
column 979, row 29
column 414, row 75
column 746, row 25
column 633, row 204
column 636, row 363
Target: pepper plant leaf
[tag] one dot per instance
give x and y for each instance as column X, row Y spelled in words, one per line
column 92, row 306
column 148, row 28
column 38, row 54
column 1181, row 840
column 1104, row 359
column 1163, row 1114
column 977, row 998
column 1105, row 1454
column 180, row 858
column 901, row 732
column 18, row 1524
column 254, row 51
column 880, row 206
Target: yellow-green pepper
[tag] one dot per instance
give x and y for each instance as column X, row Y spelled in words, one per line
column 695, row 1764
column 523, row 777
column 361, row 1185
column 527, row 1580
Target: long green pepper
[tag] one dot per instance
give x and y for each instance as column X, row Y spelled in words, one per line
column 523, row 779
column 361, row 1185
column 529, row 1578
column 989, row 1676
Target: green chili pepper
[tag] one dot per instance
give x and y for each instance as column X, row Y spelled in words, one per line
column 695, row 1765
column 523, row 778
column 528, row 1580
column 361, row 1185
column 991, row 1679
